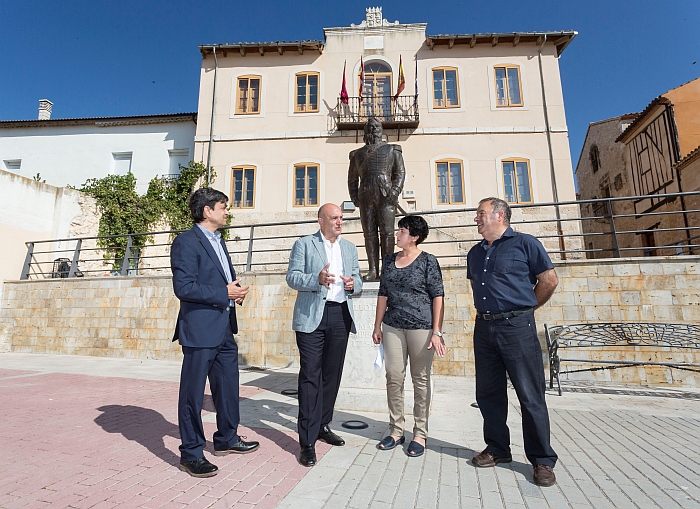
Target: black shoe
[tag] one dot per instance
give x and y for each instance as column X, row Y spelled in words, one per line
column 307, row 456
column 199, row 468
column 329, row 437
column 239, row 447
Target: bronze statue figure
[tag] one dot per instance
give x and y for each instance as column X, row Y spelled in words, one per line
column 375, row 180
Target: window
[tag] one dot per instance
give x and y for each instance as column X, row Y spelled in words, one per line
column 178, row 157
column 376, row 91
column 594, row 156
column 243, row 188
column 450, row 182
column 445, row 88
column 121, row 163
column 306, row 92
column 600, row 208
column 13, row 164
column 508, row 91
column 516, row 181
column 248, row 95
column 305, row 185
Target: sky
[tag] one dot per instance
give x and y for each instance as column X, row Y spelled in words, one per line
column 135, row 57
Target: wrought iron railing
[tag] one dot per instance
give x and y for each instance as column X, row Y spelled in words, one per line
column 565, row 228
column 387, row 109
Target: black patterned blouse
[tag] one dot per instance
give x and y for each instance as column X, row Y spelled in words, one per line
column 410, row 291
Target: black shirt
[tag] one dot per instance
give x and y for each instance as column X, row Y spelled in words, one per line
column 410, row 291
column 504, row 275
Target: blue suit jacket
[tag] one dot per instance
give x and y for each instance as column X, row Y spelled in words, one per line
column 307, row 259
column 200, row 284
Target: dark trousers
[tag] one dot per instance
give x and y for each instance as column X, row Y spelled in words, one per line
column 321, row 354
column 220, row 365
column 511, row 346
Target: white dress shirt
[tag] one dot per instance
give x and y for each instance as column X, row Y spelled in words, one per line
column 336, row 292
column 215, row 241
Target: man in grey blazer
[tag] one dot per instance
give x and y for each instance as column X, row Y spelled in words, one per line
column 324, row 270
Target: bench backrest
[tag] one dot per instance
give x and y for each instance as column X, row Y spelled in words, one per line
column 675, row 335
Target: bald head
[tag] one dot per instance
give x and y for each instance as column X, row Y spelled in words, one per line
column 330, row 221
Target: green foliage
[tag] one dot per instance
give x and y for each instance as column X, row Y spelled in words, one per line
column 125, row 212
column 38, row 178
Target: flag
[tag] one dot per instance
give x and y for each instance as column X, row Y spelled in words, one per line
column 415, row 86
column 344, row 90
column 402, row 80
column 362, row 77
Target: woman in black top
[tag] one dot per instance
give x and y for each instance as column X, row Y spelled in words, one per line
column 409, row 323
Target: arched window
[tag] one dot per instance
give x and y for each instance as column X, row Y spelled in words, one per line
column 594, row 155
column 376, row 90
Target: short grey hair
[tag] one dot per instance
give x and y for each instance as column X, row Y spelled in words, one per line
column 499, row 205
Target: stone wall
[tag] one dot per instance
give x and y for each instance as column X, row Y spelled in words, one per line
column 134, row 317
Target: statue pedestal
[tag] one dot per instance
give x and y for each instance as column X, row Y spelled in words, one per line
column 362, row 388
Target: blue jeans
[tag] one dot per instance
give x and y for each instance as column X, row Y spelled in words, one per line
column 511, row 346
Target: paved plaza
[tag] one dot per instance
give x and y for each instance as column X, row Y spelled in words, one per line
column 86, row 432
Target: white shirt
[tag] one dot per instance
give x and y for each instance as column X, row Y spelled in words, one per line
column 215, row 241
column 336, row 292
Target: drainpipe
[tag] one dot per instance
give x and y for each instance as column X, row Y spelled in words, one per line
column 211, row 125
column 555, row 194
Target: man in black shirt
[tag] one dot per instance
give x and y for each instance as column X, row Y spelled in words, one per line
column 511, row 276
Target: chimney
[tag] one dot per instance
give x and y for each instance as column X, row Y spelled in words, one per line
column 45, row 109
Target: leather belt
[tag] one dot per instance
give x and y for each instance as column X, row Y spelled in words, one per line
column 502, row 316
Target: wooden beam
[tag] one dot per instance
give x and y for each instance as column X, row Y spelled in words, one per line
column 451, row 42
column 516, row 40
column 472, row 43
column 539, row 40
column 301, row 49
column 430, row 42
column 261, row 49
column 494, row 41
column 241, row 48
column 279, row 49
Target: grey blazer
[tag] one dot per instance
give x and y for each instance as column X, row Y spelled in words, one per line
column 307, row 259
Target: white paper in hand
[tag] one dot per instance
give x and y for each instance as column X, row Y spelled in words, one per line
column 380, row 358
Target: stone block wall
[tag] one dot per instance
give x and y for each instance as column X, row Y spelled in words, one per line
column 135, row 317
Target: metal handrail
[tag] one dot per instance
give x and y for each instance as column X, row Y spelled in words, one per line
column 132, row 261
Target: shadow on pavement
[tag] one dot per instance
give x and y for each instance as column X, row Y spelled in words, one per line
column 142, row 425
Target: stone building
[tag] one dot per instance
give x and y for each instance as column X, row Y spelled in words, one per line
column 641, row 156
column 477, row 115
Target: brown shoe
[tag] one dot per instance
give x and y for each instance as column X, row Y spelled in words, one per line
column 544, row 476
column 488, row 459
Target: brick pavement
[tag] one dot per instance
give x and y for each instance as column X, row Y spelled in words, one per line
column 85, row 432
column 82, row 441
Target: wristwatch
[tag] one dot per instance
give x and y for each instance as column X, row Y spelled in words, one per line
column 438, row 334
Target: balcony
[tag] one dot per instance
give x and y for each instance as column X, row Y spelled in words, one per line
column 394, row 113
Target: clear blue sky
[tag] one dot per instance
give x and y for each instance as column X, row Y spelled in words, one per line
column 133, row 57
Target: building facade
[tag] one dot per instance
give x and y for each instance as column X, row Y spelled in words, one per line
column 645, row 156
column 477, row 115
column 70, row 151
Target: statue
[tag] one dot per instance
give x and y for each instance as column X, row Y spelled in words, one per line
column 375, row 180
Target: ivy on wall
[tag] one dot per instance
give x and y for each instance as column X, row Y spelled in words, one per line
column 125, row 212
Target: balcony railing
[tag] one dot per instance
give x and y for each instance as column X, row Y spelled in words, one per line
column 394, row 113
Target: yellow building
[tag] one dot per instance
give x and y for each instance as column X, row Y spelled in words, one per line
column 480, row 115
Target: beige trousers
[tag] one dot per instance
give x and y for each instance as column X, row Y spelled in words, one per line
column 399, row 345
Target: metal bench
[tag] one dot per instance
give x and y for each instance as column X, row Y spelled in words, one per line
column 602, row 336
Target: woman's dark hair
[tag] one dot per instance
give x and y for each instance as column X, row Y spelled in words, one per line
column 416, row 226
column 205, row 197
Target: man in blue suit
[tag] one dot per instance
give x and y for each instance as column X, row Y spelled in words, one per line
column 205, row 283
column 323, row 268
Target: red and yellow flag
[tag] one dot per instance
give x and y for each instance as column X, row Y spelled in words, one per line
column 402, row 80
